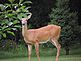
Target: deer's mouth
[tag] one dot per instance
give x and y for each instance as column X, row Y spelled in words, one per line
column 23, row 24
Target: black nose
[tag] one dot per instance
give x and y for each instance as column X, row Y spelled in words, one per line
column 23, row 24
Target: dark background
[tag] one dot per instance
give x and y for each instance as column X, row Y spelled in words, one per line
column 42, row 8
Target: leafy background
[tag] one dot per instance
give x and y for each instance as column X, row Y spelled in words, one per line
column 59, row 12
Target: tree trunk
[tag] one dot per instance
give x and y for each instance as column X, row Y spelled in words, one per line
column 67, row 51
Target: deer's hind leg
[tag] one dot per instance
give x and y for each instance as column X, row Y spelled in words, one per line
column 57, row 45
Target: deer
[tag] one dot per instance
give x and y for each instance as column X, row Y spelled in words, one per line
column 41, row 35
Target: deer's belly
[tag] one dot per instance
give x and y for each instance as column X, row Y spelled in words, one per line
column 44, row 41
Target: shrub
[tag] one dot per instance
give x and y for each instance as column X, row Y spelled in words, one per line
column 7, row 45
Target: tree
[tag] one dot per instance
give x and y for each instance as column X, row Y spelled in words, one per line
column 10, row 16
column 40, row 10
column 62, row 15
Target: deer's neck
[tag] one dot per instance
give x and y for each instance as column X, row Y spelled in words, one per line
column 24, row 29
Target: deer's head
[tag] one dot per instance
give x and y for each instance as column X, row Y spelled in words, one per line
column 24, row 20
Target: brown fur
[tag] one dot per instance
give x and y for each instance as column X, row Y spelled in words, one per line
column 40, row 35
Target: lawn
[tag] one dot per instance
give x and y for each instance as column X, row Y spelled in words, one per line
column 50, row 58
column 45, row 55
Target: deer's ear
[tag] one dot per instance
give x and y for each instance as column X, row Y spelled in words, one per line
column 29, row 16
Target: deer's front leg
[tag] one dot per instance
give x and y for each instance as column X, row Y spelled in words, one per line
column 37, row 50
column 29, row 51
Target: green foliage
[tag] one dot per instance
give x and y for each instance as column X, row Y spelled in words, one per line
column 7, row 45
column 10, row 16
column 11, row 1
column 61, row 15
column 6, row 27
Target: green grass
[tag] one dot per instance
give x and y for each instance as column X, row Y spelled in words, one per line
column 46, row 54
column 43, row 53
column 50, row 58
